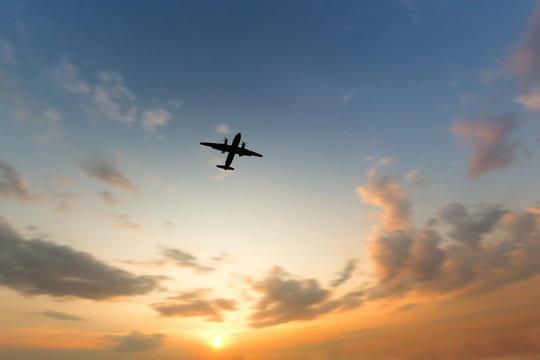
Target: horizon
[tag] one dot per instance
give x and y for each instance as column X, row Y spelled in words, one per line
column 394, row 215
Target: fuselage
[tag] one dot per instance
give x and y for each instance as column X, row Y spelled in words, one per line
column 232, row 150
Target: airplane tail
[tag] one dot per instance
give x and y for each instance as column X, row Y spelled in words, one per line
column 225, row 167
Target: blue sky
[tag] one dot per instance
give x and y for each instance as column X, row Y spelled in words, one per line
column 375, row 119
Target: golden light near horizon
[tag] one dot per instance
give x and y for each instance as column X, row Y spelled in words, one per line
column 217, row 340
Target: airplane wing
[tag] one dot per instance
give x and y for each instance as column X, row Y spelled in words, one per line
column 217, row 146
column 246, row 152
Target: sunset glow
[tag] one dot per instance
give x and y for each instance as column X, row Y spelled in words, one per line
column 393, row 212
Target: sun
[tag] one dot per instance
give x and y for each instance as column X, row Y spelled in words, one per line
column 217, row 340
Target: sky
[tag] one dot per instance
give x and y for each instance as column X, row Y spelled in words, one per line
column 394, row 215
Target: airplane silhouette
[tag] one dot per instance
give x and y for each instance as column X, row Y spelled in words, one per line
column 232, row 149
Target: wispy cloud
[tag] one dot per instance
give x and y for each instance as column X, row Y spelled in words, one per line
column 60, row 315
column 489, row 138
column 13, row 185
column 154, row 118
column 410, row 6
column 7, row 54
column 108, row 197
column 107, row 95
column 64, row 180
column 65, row 200
column 67, row 76
column 184, row 260
column 222, row 129
column 347, row 96
column 195, row 303
column 136, row 341
column 122, row 221
column 34, row 267
column 345, row 274
column 101, row 169
column 416, row 178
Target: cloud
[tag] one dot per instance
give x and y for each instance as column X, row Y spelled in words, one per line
column 194, row 303
column 66, row 75
column 7, row 54
column 64, row 180
column 345, row 274
column 385, row 161
column 416, row 178
column 470, row 228
column 410, row 6
column 108, row 197
column 122, row 221
column 109, row 96
column 155, row 118
column 65, row 200
column 106, row 95
column 104, row 171
column 386, row 193
column 468, row 249
column 13, row 185
column 184, row 260
column 34, row 267
column 136, row 341
column 347, row 96
column 489, row 138
column 466, row 98
column 531, row 99
column 525, row 61
column 222, row 129
column 285, row 299
column 60, row 316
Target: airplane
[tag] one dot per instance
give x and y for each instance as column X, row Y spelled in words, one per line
column 232, row 149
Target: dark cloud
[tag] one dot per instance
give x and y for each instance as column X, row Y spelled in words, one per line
column 60, row 315
column 102, row 170
column 184, row 260
column 285, row 299
column 489, row 138
column 469, row 228
column 136, row 341
column 34, row 267
column 195, row 303
column 345, row 274
column 13, row 185
column 470, row 249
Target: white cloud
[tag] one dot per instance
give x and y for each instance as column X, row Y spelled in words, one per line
column 66, row 75
column 155, row 118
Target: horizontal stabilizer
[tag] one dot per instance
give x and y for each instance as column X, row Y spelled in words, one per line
column 225, row 167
